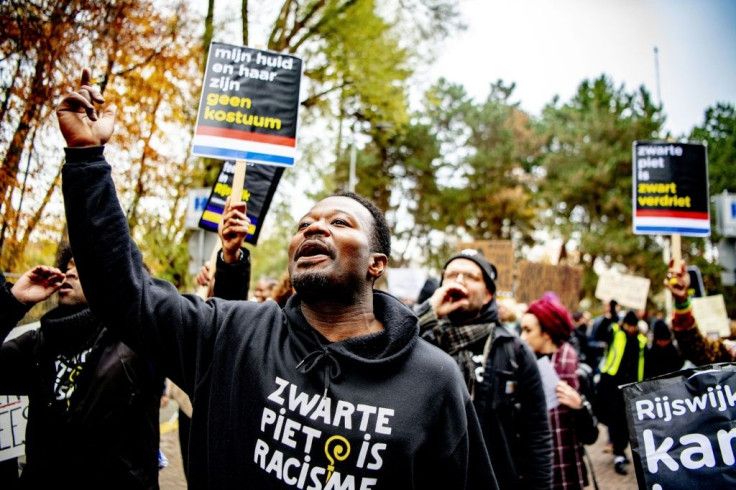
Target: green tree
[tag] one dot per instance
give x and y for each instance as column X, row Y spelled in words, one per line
column 360, row 56
column 718, row 131
column 495, row 202
column 489, row 147
column 586, row 168
column 457, row 171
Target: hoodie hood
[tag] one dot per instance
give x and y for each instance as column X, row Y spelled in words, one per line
column 377, row 350
column 400, row 331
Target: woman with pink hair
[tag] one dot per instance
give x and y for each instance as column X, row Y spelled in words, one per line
column 546, row 327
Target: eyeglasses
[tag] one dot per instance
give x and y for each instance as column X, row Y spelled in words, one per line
column 467, row 276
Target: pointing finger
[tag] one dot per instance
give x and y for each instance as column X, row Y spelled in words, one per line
column 86, row 77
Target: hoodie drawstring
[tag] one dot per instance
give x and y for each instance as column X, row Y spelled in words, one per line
column 331, row 366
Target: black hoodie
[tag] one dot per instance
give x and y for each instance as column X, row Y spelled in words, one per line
column 275, row 404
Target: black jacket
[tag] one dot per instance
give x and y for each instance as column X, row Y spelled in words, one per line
column 515, row 423
column 512, row 410
column 662, row 360
column 275, row 404
column 94, row 424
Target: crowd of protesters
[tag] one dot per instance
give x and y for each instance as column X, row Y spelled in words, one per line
column 324, row 377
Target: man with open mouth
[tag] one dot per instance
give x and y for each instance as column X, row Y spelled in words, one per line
column 335, row 390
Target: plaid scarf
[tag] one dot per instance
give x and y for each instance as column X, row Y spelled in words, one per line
column 465, row 342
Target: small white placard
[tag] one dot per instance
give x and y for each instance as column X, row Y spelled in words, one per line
column 549, row 381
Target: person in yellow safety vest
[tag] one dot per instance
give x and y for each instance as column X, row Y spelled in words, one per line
column 624, row 363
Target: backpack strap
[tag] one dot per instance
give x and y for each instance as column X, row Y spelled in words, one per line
column 512, row 350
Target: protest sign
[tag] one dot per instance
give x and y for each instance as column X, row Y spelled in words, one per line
column 682, row 428
column 628, row 291
column 670, row 189
column 564, row 280
column 13, row 418
column 501, row 254
column 249, row 106
column 550, row 380
column 711, row 316
column 260, row 184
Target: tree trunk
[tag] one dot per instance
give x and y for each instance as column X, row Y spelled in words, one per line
column 19, row 249
column 11, row 162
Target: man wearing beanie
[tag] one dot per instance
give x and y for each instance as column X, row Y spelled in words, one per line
column 461, row 317
column 624, row 363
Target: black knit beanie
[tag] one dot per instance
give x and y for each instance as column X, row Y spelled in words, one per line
column 489, row 270
column 630, row 318
column 661, row 330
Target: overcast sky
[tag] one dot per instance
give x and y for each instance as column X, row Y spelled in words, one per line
column 549, row 46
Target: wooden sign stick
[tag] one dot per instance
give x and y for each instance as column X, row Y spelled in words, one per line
column 676, row 251
column 236, row 195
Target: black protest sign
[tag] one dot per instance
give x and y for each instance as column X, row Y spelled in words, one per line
column 670, row 189
column 249, row 106
column 682, row 428
column 260, row 184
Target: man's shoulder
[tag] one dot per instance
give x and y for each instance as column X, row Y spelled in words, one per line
column 249, row 316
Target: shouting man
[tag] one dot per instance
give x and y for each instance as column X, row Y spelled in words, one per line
column 333, row 391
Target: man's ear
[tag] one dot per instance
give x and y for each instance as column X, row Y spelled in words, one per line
column 378, row 265
column 488, row 297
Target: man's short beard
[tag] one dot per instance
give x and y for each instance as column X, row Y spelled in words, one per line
column 309, row 282
column 316, row 285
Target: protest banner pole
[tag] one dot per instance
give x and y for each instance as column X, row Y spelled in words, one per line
column 676, row 250
column 203, row 291
column 236, row 196
column 675, row 254
column 666, row 256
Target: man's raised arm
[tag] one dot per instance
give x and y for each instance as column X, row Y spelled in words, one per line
column 150, row 315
